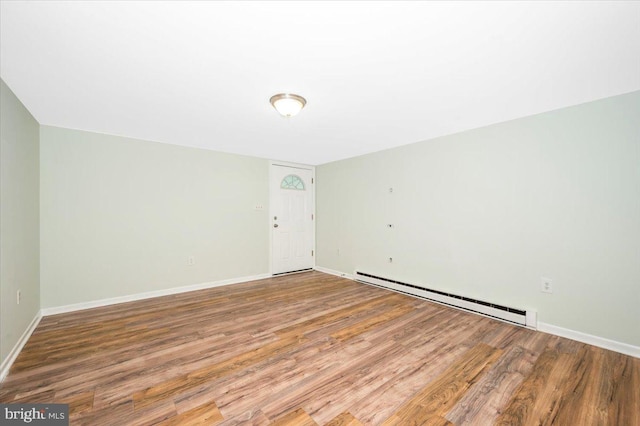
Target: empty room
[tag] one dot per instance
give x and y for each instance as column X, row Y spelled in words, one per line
column 320, row 213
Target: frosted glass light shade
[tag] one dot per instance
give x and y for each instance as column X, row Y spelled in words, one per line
column 288, row 104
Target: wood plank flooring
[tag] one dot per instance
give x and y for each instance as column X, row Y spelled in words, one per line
column 314, row 349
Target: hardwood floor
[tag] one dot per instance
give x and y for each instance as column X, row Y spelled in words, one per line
column 314, row 349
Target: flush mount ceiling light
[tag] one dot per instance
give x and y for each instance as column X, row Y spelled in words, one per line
column 288, row 104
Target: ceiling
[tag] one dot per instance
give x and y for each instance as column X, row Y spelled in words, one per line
column 375, row 74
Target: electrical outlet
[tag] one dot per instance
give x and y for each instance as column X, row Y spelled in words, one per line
column 18, row 296
column 258, row 207
column 546, row 285
column 191, row 261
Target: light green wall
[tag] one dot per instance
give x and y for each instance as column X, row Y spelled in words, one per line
column 488, row 212
column 484, row 213
column 19, row 219
column 121, row 216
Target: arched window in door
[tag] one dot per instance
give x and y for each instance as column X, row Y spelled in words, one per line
column 292, row 182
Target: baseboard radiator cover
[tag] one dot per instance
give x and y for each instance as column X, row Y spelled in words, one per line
column 504, row 313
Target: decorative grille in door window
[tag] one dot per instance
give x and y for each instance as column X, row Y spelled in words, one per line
column 292, row 182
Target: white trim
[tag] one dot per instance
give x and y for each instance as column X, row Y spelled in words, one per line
column 148, row 295
column 334, row 272
column 293, row 165
column 590, row 339
column 11, row 357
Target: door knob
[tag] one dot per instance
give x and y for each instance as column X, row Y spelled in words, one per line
column 275, row 225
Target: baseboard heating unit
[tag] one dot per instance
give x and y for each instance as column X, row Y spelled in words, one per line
column 505, row 313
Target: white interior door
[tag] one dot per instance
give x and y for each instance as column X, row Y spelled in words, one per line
column 291, row 210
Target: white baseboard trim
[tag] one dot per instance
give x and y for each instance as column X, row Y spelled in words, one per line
column 590, row 339
column 11, row 357
column 334, row 272
column 148, row 295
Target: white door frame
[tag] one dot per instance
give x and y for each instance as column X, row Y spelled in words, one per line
column 313, row 207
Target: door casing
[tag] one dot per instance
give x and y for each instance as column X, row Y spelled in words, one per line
column 273, row 163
